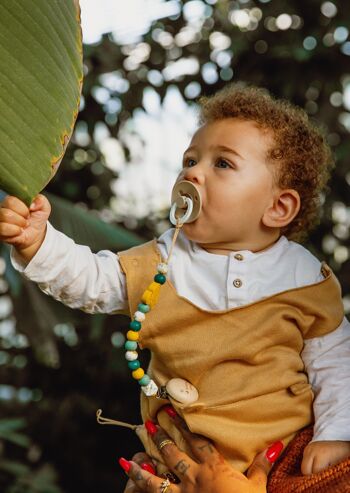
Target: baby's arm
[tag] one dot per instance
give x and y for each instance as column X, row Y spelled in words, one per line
column 327, row 362
column 24, row 227
column 320, row 455
column 69, row 272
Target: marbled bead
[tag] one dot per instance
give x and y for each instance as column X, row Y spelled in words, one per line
column 130, row 345
column 150, row 389
column 137, row 374
column 160, row 278
column 162, row 268
column 131, row 335
column 142, row 307
column 134, row 365
column 135, row 325
column 131, row 355
column 139, row 316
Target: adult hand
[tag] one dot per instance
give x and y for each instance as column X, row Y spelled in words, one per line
column 145, row 462
column 208, row 473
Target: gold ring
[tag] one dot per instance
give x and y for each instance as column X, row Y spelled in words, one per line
column 164, row 486
column 167, row 441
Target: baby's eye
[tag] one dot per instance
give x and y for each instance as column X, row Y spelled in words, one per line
column 221, row 163
column 188, row 163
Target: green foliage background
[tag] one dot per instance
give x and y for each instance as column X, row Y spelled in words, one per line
column 58, row 366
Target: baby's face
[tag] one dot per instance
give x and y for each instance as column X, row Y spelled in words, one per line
column 226, row 160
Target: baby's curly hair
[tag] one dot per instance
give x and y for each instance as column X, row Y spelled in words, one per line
column 300, row 150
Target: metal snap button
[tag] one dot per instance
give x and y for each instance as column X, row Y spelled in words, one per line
column 237, row 283
column 238, row 256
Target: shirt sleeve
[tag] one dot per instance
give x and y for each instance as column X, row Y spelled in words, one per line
column 327, row 362
column 72, row 274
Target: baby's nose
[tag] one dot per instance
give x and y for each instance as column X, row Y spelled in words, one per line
column 195, row 174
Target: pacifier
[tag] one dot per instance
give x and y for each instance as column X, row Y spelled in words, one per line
column 186, row 203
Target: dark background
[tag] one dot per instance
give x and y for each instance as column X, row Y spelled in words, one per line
column 58, row 366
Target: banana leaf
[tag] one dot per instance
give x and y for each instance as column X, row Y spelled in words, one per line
column 40, row 85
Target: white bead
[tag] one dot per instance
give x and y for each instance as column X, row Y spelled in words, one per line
column 150, row 389
column 139, row 316
column 131, row 355
column 162, row 268
column 182, row 391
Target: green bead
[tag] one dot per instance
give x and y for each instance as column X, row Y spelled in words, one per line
column 135, row 325
column 145, row 380
column 130, row 345
column 134, row 365
column 143, row 308
column 160, row 278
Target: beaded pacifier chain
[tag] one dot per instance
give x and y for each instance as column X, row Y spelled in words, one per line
column 186, row 206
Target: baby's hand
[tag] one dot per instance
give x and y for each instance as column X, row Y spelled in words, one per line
column 320, row 455
column 24, row 227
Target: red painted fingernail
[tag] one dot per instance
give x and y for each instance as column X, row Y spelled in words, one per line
column 124, row 464
column 274, row 451
column 151, row 427
column 170, row 411
column 148, row 467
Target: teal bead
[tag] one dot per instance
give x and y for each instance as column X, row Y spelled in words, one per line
column 160, row 278
column 143, row 308
column 135, row 325
column 134, row 365
column 130, row 345
column 145, row 380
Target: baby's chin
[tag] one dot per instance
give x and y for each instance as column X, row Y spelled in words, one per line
column 193, row 232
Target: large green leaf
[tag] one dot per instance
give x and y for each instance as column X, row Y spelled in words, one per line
column 40, row 85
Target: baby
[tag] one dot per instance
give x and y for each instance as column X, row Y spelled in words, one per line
column 248, row 316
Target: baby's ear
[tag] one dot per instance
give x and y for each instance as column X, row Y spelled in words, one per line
column 283, row 209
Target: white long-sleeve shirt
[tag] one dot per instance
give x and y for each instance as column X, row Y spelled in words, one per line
column 95, row 283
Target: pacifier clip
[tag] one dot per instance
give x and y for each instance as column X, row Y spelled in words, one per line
column 186, row 207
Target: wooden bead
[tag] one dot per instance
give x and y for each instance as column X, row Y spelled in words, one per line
column 137, row 374
column 150, row 296
column 145, row 380
column 159, row 278
column 143, row 308
column 134, row 365
column 135, row 325
column 132, row 335
column 162, row 268
column 139, row 316
column 131, row 355
column 130, row 345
